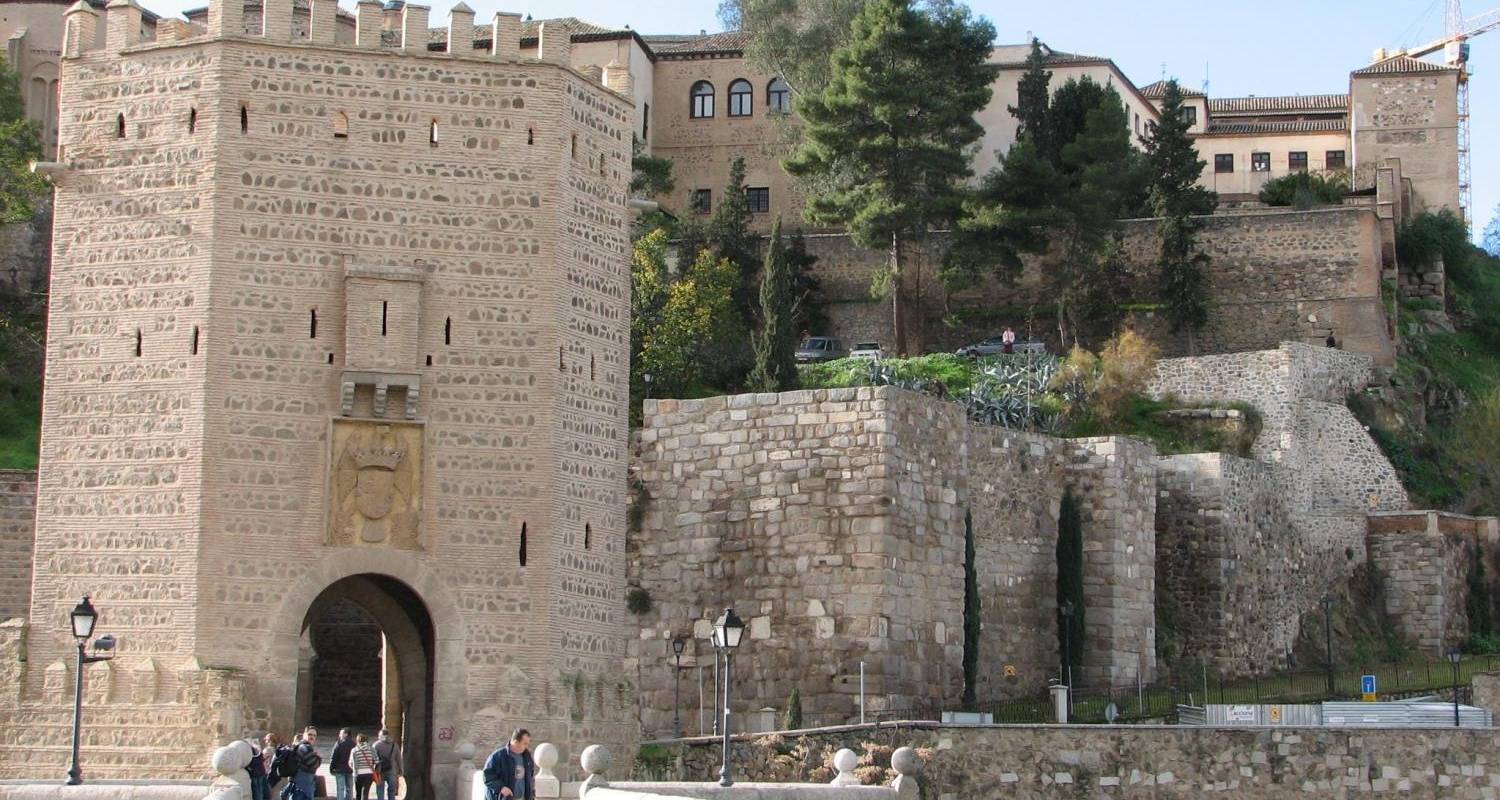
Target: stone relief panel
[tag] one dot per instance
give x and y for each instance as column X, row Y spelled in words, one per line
column 376, row 484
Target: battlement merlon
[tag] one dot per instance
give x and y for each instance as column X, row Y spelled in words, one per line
column 226, row 20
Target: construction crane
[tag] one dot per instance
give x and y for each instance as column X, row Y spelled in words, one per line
column 1455, row 48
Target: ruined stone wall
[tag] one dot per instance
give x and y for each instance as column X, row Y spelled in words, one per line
column 393, row 346
column 1274, row 276
column 1138, row 761
column 1422, row 560
column 833, row 521
column 1114, row 479
column 17, row 537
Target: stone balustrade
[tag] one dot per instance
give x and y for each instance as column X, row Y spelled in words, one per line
column 846, row 785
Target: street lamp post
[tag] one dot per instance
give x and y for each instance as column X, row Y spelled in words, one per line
column 678, row 644
column 728, row 630
column 1328, row 601
column 83, row 617
column 1454, row 657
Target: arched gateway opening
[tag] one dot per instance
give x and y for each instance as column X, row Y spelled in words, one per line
column 366, row 661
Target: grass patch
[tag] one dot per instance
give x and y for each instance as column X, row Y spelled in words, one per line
column 20, row 428
column 1144, row 418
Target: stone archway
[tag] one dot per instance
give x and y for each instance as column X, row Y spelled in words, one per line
column 403, row 699
column 389, row 585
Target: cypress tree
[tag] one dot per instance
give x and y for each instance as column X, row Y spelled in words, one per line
column 1070, row 582
column 971, row 615
column 776, row 342
column 1175, row 197
column 1032, row 98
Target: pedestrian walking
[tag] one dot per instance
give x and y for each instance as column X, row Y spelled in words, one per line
column 260, row 789
column 308, row 761
column 362, row 760
column 510, row 772
column 338, row 766
column 388, row 764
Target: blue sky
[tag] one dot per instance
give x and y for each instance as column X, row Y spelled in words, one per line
column 1266, row 47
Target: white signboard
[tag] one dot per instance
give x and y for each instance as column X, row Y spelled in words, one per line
column 1241, row 714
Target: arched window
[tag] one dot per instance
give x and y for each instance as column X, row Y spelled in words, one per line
column 312, row 323
column 778, row 97
column 340, row 125
column 119, row 126
column 741, row 98
column 703, row 100
column 432, row 137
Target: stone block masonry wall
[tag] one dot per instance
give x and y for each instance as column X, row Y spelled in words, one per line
column 1143, row 761
column 17, row 537
column 1274, row 276
column 833, row 521
column 1238, row 571
column 1422, row 560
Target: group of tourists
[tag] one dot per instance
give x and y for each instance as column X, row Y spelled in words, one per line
column 356, row 764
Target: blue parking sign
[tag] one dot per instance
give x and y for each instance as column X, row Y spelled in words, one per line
column 1367, row 684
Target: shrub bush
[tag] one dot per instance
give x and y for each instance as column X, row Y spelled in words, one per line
column 1304, row 190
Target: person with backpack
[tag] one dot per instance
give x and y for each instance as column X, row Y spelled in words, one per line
column 388, row 764
column 284, row 766
column 256, row 769
column 307, row 759
column 338, row 765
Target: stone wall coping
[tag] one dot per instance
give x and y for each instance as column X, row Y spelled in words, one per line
column 21, row 473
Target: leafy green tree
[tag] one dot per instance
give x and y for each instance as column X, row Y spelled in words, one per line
column 1175, row 198
column 1032, row 100
column 1103, row 292
column 776, row 341
column 1492, row 234
column 792, row 38
column 649, row 176
column 20, row 145
column 674, row 321
column 729, row 228
column 1304, row 190
column 893, row 126
column 810, row 317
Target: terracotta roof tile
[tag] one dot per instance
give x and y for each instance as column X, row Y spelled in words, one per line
column 726, row 42
column 1159, row 89
column 1402, row 65
column 1286, row 126
column 1272, row 105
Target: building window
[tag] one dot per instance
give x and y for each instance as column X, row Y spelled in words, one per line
column 646, row 122
column 741, row 98
column 1260, row 162
column 702, row 201
column 1334, row 159
column 432, row 136
column 1190, row 115
column 1297, row 160
column 703, row 100
column 778, row 97
column 340, row 125
column 1224, row 162
column 758, row 198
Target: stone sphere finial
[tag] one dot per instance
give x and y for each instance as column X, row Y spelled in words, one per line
column 232, row 757
column 905, row 761
column 845, row 760
column 546, row 756
column 465, row 751
column 595, row 759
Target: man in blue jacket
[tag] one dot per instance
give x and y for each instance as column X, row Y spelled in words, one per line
column 509, row 773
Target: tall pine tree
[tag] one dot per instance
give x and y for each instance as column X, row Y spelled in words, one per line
column 1175, row 198
column 892, row 128
column 776, row 341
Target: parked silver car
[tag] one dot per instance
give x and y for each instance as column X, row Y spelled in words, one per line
column 867, row 350
column 995, row 346
column 817, row 349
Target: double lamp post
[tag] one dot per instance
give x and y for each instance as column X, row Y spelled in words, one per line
column 728, row 632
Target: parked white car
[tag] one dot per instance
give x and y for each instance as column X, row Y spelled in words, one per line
column 868, row 350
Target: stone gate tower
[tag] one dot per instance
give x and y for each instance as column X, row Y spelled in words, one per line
column 331, row 325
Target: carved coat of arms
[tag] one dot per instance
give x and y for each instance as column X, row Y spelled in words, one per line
column 377, row 485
